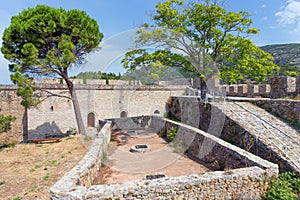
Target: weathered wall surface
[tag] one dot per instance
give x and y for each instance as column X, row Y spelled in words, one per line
column 207, row 118
column 86, row 170
column 10, row 105
column 279, row 87
column 242, row 183
column 56, row 114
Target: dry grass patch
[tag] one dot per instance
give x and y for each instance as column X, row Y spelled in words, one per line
column 29, row 170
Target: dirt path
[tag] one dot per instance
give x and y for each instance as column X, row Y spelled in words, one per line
column 29, row 170
column 124, row 165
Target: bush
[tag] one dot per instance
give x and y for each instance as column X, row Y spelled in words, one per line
column 285, row 187
column 171, row 133
column 5, row 123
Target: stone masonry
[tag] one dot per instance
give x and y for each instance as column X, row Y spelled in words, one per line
column 244, row 125
column 241, row 183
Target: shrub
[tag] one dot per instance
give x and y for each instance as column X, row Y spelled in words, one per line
column 171, row 133
column 5, row 123
column 285, row 187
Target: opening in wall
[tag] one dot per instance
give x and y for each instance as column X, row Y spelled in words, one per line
column 123, row 114
column 91, row 120
column 156, row 112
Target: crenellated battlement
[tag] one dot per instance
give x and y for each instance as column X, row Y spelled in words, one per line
column 279, row 87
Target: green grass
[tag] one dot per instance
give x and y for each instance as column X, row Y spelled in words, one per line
column 46, row 178
column 37, row 166
column 10, row 145
column 52, row 163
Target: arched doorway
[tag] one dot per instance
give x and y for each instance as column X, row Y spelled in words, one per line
column 156, row 112
column 123, row 114
column 91, row 120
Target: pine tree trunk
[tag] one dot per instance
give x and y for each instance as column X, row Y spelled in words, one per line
column 79, row 121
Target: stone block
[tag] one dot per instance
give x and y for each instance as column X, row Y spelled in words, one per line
column 96, row 81
column 233, row 90
column 117, row 82
column 242, row 90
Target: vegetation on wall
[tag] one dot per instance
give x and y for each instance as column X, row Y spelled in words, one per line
column 5, row 123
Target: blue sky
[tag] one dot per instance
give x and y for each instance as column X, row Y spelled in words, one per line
column 277, row 20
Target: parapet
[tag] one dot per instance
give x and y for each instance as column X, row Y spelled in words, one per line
column 279, row 87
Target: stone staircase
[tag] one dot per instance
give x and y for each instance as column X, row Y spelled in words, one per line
column 272, row 132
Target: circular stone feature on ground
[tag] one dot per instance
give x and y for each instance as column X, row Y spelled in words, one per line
column 140, row 148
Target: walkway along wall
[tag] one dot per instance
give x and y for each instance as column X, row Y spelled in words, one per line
column 248, row 182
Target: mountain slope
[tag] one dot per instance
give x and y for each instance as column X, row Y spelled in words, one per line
column 287, row 56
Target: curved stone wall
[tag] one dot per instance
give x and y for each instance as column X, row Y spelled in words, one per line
column 243, row 183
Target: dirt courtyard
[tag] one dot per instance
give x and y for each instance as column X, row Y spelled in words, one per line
column 29, row 170
column 123, row 165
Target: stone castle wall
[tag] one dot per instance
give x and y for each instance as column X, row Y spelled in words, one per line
column 55, row 115
column 249, row 181
column 279, row 87
column 206, row 117
column 10, row 105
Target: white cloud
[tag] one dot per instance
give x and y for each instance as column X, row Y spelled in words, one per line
column 289, row 14
column 263, row 6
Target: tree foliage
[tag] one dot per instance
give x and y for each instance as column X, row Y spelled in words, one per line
column 46, row 42
column 199, row 35
column 5, row 123
column 98, row 75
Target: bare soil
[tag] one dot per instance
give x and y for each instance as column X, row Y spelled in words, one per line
column 29, row 170
column 123, row 165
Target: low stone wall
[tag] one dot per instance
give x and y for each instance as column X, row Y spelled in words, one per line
column 242, row 183
column 83, row 174
column 138, row 122
column 246, row 183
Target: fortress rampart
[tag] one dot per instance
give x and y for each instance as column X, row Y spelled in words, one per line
column 55, row 115
column 102, row 99
column 279, row 87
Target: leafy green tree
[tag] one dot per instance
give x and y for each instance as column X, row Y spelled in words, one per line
column 5, row 123
column 152, row 73
column 98, row 75
column 199, row 36
column 46, row 42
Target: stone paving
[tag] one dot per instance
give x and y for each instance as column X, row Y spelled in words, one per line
column 279, row 136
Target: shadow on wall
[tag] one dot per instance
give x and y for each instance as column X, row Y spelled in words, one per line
column 45, row 130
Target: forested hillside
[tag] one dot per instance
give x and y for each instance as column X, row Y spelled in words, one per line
column 287, row 56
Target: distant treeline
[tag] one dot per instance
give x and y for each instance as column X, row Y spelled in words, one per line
column 98, row 75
